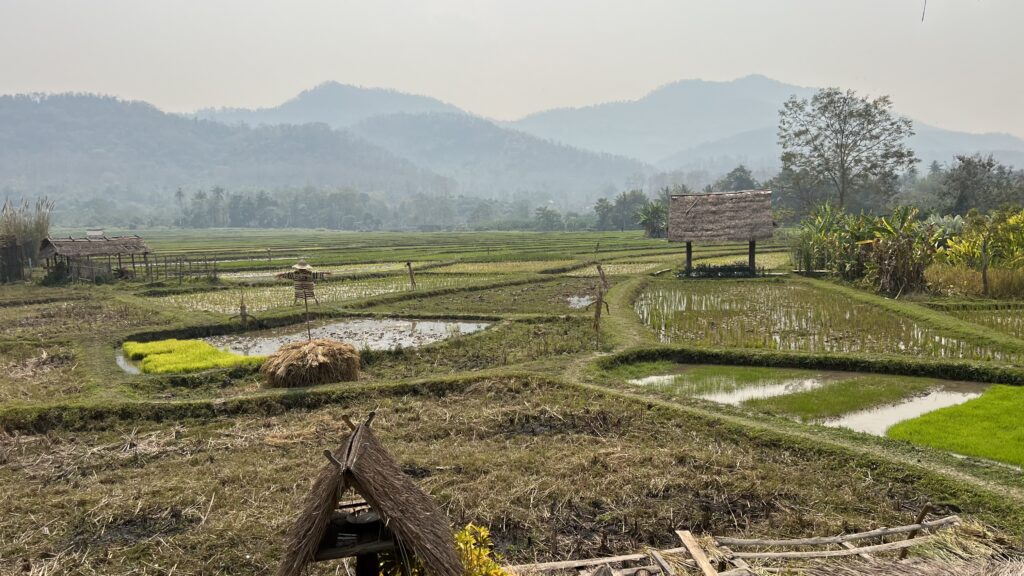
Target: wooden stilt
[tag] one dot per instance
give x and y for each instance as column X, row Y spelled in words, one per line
column 753, row 264
column 689, row 258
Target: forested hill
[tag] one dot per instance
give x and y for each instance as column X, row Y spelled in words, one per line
column 713, row 126
column 338, row 105
column 489, row 161
column 78, row 144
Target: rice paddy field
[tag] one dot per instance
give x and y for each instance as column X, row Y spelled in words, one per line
column 138, row 437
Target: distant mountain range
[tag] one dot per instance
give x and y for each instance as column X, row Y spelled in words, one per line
column 378, row 140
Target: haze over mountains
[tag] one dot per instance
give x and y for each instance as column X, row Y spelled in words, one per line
column 382, row 141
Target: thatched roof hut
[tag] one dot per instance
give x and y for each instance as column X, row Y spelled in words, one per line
column 744, row 216
column 721, row 217
column 89, row 247
column 410, row 522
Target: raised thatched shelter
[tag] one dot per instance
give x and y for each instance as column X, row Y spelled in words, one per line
column 93, row 257
column 397, row 518
column 744, row 216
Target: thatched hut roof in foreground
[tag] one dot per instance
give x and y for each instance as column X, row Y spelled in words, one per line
column 721, row 217
column 84, row 247
column 417, row 523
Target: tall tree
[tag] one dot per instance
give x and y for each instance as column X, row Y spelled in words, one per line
column 739, row 178
column 844, row 138
column 652, row 216
column 605, row 212
column 981, row 182
column 626, row 205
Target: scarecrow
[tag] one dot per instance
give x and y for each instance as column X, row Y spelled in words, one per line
column 303, row 275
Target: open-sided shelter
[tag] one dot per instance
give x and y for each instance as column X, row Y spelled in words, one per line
column 720, row 217
column 93, row 257
column 396, row 518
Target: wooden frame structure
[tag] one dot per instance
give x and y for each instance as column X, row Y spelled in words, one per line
column 717, row 558
column 93, row 258
column 744, row 216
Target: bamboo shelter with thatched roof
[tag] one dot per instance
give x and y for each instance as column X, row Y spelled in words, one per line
column 93, row 257
column 744, row 216
column 396, row 519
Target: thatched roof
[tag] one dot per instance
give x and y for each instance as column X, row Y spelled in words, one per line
column 721, row 217
column 82, row 247
column 418, row 524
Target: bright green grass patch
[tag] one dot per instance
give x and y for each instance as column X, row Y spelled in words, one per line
column 839, row 397
column 987, row 427
column 171, row 356
column 642, row 369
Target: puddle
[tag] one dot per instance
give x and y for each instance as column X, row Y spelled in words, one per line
column 362, row 333
column 654, row 380
column 577, row 302
column 877, row 420
column 732, row 393
column 124, row 363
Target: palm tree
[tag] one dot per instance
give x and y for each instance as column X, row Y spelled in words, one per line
column 652, row 217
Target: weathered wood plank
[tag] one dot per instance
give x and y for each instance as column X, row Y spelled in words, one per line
column 887, row 547
column 819, row 541
column 697, row 553
column 665, row 568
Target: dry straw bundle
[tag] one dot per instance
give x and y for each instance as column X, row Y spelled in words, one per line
column 310, row 363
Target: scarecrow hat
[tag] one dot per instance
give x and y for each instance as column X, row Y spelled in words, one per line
column 302, row 265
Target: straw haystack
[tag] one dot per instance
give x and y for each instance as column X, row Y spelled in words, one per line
column 312, row 362
column 412, row 522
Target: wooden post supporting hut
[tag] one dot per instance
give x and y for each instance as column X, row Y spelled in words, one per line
column 744, row 216
column 395, row 518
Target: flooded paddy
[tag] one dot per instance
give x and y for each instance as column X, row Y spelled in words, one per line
column 282, row 295
column 579, row 302
column 363, row 333
column 878, row 420
column 372, row 333
column 790, row 316
column 869, row 403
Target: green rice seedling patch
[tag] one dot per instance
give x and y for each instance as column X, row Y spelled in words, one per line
column 792, row 316
column 766, row 260
column 1009, row 320
column 179, row 356
column 504, row 267
column 343, row 269
column 986, row 427
column 838, row 397
column 557, row 296
column 263, row 298
column 616, row 269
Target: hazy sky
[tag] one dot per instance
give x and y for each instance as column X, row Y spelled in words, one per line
column 960, row 68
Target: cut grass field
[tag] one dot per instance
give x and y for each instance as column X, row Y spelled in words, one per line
column 987, row 427
column 181, row 356
column 553, row 470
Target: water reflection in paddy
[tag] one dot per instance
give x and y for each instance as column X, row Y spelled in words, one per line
column 372, row 333
column 877, row 420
